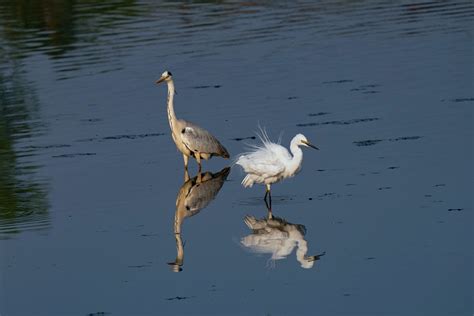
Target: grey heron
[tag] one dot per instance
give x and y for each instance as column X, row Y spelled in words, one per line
column 191, row 140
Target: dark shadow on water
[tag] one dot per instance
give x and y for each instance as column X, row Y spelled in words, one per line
column 238, row 139
column 346, row 122
column 318, row 114
column 120, row 137
column 194, row 195
column 371, row 142
column 73, row 155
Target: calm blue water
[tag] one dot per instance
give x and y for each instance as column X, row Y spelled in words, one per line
column 92, row 186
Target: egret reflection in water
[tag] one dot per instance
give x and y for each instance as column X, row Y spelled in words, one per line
column 194, row 195
column 274, row 235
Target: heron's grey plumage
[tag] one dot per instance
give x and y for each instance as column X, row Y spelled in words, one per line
column 200, row 141
column 190, row 139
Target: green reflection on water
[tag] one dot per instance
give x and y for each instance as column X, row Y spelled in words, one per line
column 22, row 197
column 30, row 25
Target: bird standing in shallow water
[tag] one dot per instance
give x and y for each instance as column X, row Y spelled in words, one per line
column 191, row 140
column 270, row 162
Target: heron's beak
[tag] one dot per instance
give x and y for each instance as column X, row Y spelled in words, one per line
column 160, row 80
column 309, row 144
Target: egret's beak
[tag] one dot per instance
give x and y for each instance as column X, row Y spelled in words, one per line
column 160, row 80
column 309, row 144
column 315, row 258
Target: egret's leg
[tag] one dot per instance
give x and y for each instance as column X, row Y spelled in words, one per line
column 186, row 175
column 186, row 159
column 269, row 209
column 270, row 198
column 269, row 202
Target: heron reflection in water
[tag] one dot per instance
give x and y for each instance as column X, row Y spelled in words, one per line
column 194, row 195
column 276, row 236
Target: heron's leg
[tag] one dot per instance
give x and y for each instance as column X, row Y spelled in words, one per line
column 186, row 159
column 199, row 176
column 186, row 175
column 198, row 159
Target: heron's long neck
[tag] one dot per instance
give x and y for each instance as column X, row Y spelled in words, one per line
column 295, row 162
column 179, row 250
column 179, row 216
column 171, row 115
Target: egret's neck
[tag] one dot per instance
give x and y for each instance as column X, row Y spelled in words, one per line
column 171, row 92
column 301, row 253
column 295, row 163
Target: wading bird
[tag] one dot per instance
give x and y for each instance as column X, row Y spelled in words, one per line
column 269, row 162
column 191, row 140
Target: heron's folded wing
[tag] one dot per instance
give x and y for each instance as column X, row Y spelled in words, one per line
column 199, row 140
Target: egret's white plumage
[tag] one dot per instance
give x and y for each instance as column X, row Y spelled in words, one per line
column 270, row 162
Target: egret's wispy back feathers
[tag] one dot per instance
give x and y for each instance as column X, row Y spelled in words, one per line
column 269, row 162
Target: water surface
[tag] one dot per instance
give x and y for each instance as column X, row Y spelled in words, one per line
column 89, row 175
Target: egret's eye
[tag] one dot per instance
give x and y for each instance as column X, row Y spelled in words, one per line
column 169, row 73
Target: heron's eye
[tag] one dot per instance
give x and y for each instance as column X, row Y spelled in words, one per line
column 169, row 73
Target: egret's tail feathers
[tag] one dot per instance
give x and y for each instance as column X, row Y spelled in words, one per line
column 238, row 160
column 250, row 221
column 247, row 182
column 254, row 224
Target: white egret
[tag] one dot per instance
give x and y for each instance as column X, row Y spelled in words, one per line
column 270, row 162
column 191, row 140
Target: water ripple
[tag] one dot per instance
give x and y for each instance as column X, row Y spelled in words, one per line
column 93, row 37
